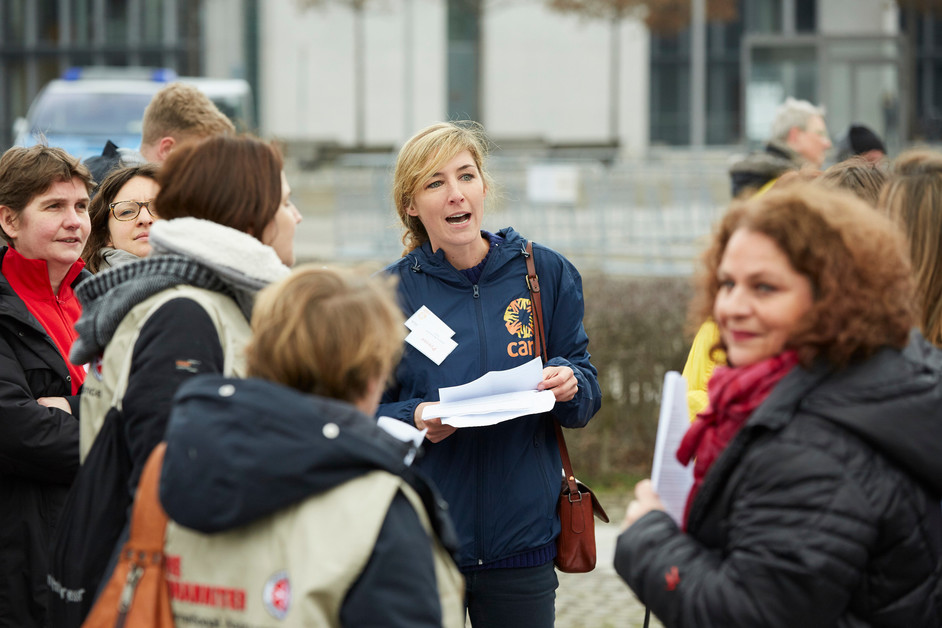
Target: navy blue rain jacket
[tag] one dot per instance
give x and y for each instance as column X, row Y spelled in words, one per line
column 501, row 482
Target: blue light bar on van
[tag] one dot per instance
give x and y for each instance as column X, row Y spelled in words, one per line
column 158, row 75
column 163, row 75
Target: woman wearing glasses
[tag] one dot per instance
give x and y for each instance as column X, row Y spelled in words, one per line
column 121, row 213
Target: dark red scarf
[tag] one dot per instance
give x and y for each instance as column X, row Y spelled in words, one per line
column 734, row 394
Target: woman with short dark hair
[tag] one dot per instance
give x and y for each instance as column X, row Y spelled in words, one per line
column 818, row 461
column 44, row 222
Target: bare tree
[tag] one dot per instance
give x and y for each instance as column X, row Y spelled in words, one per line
column 921, row 6
column 660, row 16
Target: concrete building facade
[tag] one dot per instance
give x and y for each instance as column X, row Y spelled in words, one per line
column 365, row 74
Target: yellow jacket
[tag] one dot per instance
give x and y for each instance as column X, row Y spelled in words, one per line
column 699, row 366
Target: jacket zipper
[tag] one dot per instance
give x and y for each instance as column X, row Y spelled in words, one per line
column 479, row 499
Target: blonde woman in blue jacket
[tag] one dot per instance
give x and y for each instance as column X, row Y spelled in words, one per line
column 501, row 481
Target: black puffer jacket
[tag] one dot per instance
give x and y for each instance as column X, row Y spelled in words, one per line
column 757, row 169
column 38, row 456
column 824, row 510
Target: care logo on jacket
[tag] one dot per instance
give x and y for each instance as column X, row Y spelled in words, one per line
column 518, row 321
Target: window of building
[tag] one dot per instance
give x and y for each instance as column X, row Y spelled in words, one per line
column 762, row 16
column 806, row 16
column 47, row 18
column 12, row 18
column 116, row 22
column 925, row 31
column 80, row 20
column 464, row 41
column 40, row 38
column 152, row 22
column 670, row 86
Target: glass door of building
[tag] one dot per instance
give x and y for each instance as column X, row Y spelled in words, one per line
column 859, row 79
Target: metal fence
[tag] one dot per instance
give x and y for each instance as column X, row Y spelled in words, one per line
column 646, row 219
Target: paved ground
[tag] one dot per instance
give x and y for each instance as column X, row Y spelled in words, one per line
column 599, row 599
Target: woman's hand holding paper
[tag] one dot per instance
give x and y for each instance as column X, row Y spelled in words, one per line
column 561, row 380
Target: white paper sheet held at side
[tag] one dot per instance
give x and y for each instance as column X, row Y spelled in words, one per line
column 671, row 480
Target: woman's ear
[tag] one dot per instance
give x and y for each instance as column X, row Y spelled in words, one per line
column 8, row 220
column 412, row 211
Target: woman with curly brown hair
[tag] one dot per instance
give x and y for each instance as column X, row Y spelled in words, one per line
column 818, row 462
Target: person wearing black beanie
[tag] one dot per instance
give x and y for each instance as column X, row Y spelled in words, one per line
column 861, row 140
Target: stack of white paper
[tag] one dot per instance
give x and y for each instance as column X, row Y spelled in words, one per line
column 494, row 397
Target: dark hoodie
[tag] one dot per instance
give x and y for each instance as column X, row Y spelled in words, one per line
column 822, row 511
column 234, row 457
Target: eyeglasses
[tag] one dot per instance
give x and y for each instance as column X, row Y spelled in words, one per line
column 129, row 210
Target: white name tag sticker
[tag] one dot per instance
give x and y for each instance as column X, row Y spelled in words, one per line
column 434, row 347
column 424, row 318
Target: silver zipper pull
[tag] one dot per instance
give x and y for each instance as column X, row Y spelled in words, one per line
column 127, row 595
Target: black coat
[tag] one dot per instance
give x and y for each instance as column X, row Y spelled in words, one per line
column 824, row 510
column 38, row 456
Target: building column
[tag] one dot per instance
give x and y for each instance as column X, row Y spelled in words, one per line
column 698, row 67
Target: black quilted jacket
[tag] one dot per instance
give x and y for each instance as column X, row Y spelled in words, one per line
column 824, row 510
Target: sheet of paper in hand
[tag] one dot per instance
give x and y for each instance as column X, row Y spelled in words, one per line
column 494, row 397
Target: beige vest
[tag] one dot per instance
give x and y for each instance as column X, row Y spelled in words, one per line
column 107, row 379
column 295, row 567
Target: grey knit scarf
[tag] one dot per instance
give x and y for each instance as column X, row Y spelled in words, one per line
column 107, row 297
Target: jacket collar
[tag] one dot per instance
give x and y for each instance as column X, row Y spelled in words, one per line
column 423, row 260
column 783, row 150
column 32, row 277
column 240, row 258
column 13, row 307
column 224, row 428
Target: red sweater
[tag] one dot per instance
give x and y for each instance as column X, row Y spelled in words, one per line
column 29, row 278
